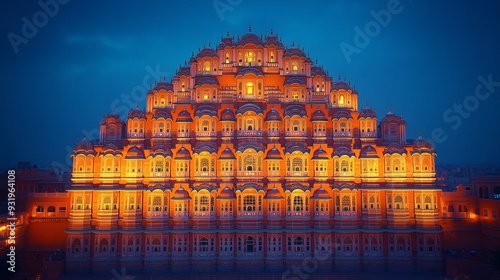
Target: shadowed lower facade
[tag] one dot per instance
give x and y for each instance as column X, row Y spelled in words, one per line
column 253, row 158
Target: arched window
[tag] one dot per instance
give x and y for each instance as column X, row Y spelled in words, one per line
column 297, row 203
column 346, row 203
column 249, row 163
column 207, row 66
column 249, row 57
column 249, row 203
column 250, row 88
column 341, row 99
column 250, row 244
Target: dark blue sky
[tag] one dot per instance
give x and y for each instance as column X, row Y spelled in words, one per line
column 80, row 61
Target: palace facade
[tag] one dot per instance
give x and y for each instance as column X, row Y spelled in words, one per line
column 253, row 158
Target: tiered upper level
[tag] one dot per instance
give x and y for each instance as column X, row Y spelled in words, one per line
column 253, row 110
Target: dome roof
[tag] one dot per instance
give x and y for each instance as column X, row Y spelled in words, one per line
column 319, row 116
column 162, row 113
column 321, row 194
column 183, row 154
column 243, row 146
column 163, row 85
column 206, row 80
column 367, row 113
column 294, row 52
column 317, row 71
column 421, row 146
column 184, row 116
column 273, row 193
column 135, row 153
column 273, row 154
column 227, row 115
column 341, row 114
column 206, row 110
column 207, row 52
column 250, row 38
column 136, row 113
column 392, row 118
column 226, row 42
column 295, row 110
column 343, row 151
column 250, row 107
column 109, row 119
column 341, row 85
column 294, row 80
column 257, row 71
column 368, row 152
column 272, row 115
column 205, row 147
column 296, row 148
column 227, row 194
column 161, row 150
column 110, row 149
column 273, row 40
column 181, row 194
column 227, row 154
column 183, row 71
column 84, row 146
column 394, row 148
column 319, row 154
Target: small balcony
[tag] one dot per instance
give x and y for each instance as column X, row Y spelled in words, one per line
column 274, row 173
column 319, row 134
column 162, row 135
column 206, row 134
column 297, row 214
column 295, row 133
column 368, row 134
column 296, row 174
column 249, row 173
column 250, row 214
column 342, row 134
column 273, row 133
column 250, row 133
column 227, row 133
column 346, row 214
column 321, row 214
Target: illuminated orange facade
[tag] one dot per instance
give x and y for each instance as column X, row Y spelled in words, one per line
column 253, row 157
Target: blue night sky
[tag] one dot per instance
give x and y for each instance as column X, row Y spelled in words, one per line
column 89, row 56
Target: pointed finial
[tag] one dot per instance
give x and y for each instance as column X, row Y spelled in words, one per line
column 84, row 134
column 192, row 53
column 209, row 44
column 316, row 61
column 204, row 45
column 227, row 34
column 420, row 135
column 366, row 104
column 271, row 31
column 250, row 29
column 339, row 77
column 114, row 110
column 137, row 105
column 388, row 109
column 293, row 43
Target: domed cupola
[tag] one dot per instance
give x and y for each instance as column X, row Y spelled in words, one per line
column 339, row 85
column 183, row 154
column 367, row 113
column 84, row 146
column 227, row 194
column 273, row 154
column 183, row 71
column 207, row 52
column 137, row 114
column 206, row 80
column 250, row 39
column 317, row 71
column 184, row 117
column 163, row 85
column 394, row 148
column 272, row 115
column 206, row 110
column 320, row 154
column 393, row 128
column 162, row 113
column 291, row 52
column 321, row 194
column 227, row 115
column 181, row 194
column 319, row 116
column 421, row 146
column 135, row 153
column 227, row 154
column 368, row 152
column 161, row 150
column 343, row 151
column 273, row 193
column 289, row 81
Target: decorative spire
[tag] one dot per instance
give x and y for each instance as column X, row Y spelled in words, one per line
column 420, row 135
column 316, row 61
column 227, row 34
column 271, row 31
column 250, row 28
